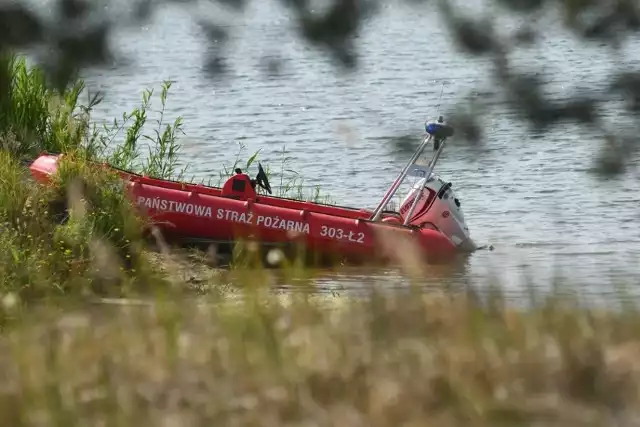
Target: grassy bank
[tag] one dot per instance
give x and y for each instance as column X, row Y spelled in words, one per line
column 409, row 360
column 237, row 354
column 97, row 246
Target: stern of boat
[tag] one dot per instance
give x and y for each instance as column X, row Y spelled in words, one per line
column 438, row 208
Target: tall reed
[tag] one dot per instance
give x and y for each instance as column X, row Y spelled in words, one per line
column 59, row 238
column 36, row 118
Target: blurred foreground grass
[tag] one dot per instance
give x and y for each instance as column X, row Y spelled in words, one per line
column 237, row 354
column 381, row 360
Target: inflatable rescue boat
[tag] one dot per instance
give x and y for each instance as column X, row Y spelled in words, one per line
column 429, row 218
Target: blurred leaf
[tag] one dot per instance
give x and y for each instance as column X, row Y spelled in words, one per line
column 404, row 143
column 525, row 36
column 523, row 6
column 86, row 49
column 475, row 37
column 215, row 65
column 524, row 93
column 73, row 9
column 602, row 21
column 579, row 109
column 466, row 126
column 272, row 66
column 610, row 161
column 628, row 84
column 215, row 33
column 335, row 30
column 234, row 4
column 143, row 10
column 18, row 26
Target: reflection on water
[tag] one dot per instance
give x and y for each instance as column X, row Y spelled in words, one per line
column 355, row 279
column 519, row 287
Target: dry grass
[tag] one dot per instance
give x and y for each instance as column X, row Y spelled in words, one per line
column 271, row 361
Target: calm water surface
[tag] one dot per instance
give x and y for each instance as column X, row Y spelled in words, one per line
column 532, row 198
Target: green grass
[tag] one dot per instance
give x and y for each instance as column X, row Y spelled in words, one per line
column 207, row 346
column 45, row 255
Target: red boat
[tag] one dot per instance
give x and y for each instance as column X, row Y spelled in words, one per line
column 429, row 217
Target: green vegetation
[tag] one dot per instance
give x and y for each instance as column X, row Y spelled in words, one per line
column 239, row 354
column 99, row 246
column 45, row 256
column 34, row 119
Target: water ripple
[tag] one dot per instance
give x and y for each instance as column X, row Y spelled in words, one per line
column 530, row 196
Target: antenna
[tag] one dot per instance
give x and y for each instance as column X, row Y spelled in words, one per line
column 439, row 101
column 436, row 142
column 440, row 98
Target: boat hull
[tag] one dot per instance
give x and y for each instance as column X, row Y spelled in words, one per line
column 185, row 214
column 187, row 211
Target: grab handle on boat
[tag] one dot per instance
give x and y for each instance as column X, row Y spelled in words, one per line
column 430, row 167
column 437, row 132
column 377, row 213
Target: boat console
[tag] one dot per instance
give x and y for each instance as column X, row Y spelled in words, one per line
column 240, row 186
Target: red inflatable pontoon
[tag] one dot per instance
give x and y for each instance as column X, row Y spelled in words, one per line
column 430, row 215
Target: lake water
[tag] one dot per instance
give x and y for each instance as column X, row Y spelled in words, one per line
column 532, row 198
